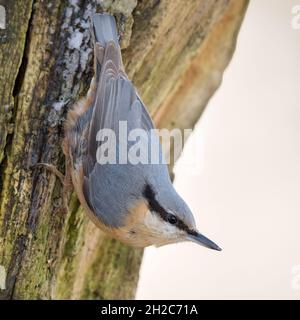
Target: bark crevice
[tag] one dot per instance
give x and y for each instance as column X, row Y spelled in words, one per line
column 24, row 61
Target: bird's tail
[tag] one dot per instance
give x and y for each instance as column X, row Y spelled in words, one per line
column 104, row 29
column 106, row 44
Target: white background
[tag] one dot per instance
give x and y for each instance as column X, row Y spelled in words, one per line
column 247, row 195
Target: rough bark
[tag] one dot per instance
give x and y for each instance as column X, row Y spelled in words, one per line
column 174, row 51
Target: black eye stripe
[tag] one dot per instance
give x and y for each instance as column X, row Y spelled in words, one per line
column 153, row 203
column 155, row 206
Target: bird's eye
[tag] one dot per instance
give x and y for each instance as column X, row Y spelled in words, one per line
column 172, row 219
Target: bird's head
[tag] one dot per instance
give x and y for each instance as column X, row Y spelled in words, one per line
column 163, row 218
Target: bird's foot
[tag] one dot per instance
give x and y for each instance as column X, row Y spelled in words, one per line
column 54, row 170
column 65, row 181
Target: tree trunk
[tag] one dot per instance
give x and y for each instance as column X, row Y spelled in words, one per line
column 174, row 51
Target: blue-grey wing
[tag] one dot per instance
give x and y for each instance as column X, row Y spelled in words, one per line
column 116, row 101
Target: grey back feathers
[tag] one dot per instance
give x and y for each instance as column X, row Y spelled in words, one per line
column 111, row 189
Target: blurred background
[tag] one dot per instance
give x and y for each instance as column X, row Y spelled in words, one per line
column 245, row 193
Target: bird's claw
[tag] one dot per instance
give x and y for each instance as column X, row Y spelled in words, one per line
column 64, row 179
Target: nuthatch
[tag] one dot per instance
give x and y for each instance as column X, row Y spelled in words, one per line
column 135, row 203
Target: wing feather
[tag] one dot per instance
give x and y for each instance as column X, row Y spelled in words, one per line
column 116, row 100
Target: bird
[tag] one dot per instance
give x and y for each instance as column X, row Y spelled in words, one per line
column 135, row 203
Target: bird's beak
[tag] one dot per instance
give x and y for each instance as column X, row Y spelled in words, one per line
column 203, row 241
